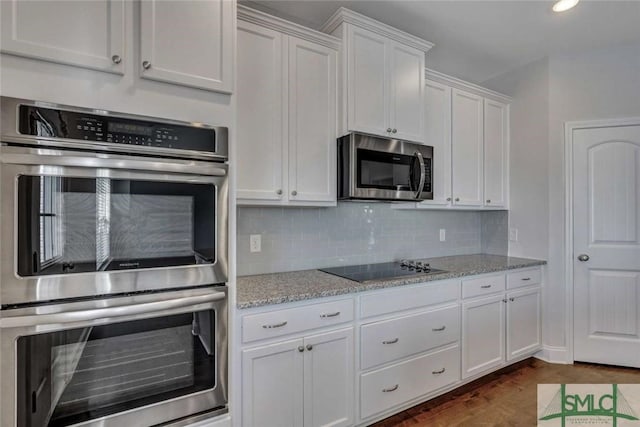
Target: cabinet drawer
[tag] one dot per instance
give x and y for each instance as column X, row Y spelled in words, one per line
column 407, row 298
column 386, row 341
column 282, row 322
column 483, row 285
column 388, row 387
column 518, row 279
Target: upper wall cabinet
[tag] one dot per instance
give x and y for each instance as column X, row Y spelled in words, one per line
column 286, row 113
column 382, row 77
column 496, row 136
column 199, row 55
column 88, row 34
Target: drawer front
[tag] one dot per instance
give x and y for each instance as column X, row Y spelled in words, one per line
column 385, row 388
column 406, row 298
column 483, row 285
column 520, row 278
column 383, row 342
column 288, row 321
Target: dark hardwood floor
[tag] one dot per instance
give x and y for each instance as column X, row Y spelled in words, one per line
column 507, row 397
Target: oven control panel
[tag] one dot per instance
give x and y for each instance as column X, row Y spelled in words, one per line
column 95, row 128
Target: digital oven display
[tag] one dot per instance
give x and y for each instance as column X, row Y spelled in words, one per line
column 131, row 129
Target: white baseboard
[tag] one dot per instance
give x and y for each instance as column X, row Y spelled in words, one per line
column 553, row 354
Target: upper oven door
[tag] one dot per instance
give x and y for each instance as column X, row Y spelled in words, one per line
column 390, row 169
column 83, row 224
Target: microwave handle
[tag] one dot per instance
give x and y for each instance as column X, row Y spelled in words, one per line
column 423, row 174
column 110, row 312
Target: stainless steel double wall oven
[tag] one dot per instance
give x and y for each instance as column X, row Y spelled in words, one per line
column 113, row 267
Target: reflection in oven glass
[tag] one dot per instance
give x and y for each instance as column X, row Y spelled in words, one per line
column 88, row 373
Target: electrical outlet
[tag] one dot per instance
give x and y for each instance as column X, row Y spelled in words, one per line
column 443, row 234
column 513, row 234
column 255, row 243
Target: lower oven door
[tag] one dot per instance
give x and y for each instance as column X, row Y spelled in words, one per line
column 140, row 360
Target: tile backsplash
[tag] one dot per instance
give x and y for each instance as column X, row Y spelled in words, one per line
column 359, row 233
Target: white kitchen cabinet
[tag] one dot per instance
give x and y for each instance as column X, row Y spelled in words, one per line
column 524, row 332
column 382, row 76
column 89, row 34
column 301, row 382
column 199, row 54
column 483, row 329
column 438, row 135
column 286, row 113
column 496, row 128
column 467, row 148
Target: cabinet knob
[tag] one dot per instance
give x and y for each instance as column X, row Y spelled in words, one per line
column 394, row 131
column 512, row 299
column 583, row 257
column 294, row 193
column 504, row 300
column 448, row 199
column 388, row 129
column 457, row 199
column 300, row 348
column 488, row 201
column 116, row 59
column 309, row 347
column 279, row 192
column 146, row 65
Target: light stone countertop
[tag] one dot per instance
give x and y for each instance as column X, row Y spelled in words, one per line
column 278, row 288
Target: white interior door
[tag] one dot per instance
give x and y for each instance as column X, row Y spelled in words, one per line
column 606, row 240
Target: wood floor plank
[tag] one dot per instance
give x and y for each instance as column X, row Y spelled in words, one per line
column 507, row 397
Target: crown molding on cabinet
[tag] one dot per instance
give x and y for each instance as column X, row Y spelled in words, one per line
column 344, row 15
column 466, row 86
column 254, row 16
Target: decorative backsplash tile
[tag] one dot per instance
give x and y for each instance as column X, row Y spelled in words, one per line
column 358, row 233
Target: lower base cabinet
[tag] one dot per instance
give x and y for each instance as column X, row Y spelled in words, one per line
column 385, row 388
column 301, row 382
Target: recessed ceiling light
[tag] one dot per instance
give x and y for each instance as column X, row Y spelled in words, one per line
column 562, row 5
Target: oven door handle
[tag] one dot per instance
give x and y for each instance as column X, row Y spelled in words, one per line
column 110, row 312
column 151, row 164
column 423, row 175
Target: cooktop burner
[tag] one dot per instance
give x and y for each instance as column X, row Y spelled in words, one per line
column 386, row 270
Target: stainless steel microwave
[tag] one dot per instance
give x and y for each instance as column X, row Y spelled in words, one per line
column 375, row 168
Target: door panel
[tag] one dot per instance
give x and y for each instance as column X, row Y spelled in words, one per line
column 312, row 121
column 407, row 93
column 483, row 326
column 368, row 94
column 495, row 153
column 523, row 323
column 260, row 103
column 606, row 203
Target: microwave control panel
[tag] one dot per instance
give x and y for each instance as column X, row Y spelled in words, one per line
column 57, row 123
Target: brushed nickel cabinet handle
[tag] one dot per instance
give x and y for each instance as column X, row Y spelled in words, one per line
column 441, row 328
column 279, row 192
column 390, row 389
column 394, row 131
column 512, row 299
column 393, row 341
column 485, row 286
column 116, row 59
column 294, row 193
column 146, row 65
column 448, row 199
column 504, row 300
column 337, row 313
column 457, row 199
column 277, row 325
column 300, row 348
column 309, row 347
column 388, row 129
column 525, row 279
column 488, row 201
column 441, row 371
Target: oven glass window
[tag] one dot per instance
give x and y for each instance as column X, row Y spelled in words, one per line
column 74, row 225
column 387, row 171
column 71, row 376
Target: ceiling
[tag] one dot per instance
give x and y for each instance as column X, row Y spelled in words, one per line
column 478, row 40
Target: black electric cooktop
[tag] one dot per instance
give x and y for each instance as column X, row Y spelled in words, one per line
column 386, row 270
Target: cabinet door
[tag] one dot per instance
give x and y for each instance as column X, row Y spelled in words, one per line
column 523, row 323
column 438, row 135
column 496, row 131
column 272, row 385
column 87, row 34
column 261, row 147
column 367, row 82
column 406, row 99
column 483, row 329
column 466, row 148
column 312, row 122
column 328, row 379
column 199, row 54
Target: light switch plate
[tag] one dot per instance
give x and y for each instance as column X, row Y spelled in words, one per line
column 443, row 234
column 255, row 243
column 513, row 234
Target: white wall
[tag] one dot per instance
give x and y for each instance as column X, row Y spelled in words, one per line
column 596, row 84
